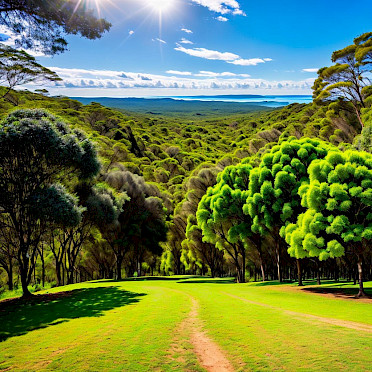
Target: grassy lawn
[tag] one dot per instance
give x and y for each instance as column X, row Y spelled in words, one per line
column 135, row 326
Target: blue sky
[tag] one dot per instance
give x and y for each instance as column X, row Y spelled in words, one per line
column 178, row 47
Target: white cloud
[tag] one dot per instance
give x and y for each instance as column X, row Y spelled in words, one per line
column 222, row 19
column 183, row 73
column 232, row 58
column 221, row 6
column 208, row 54
column 159, row 40
column 131, row 32
column 186, row 30
column 108, row 82
column 310, row 69
column 247, row 62
column 185, row 41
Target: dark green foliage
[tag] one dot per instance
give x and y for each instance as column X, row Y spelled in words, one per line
column 37, row 153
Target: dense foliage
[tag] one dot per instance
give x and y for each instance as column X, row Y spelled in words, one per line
column 273, row 194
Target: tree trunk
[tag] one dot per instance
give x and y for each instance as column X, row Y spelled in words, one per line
column 299, row 273
column 277, row 248
column 58, row 274
column 361, row 292
column 263, row 272
column 318, row 274
column 119, row 261
column 10, row 275
column 26, row 292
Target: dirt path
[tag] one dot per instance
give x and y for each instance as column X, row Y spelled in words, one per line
column 209, row 354
column 337, row 322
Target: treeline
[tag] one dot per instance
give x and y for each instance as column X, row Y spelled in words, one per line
column 167, row 196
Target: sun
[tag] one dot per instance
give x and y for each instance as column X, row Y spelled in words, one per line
column 161, row 5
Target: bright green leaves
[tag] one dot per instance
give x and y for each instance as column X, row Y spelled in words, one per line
column 339, row 207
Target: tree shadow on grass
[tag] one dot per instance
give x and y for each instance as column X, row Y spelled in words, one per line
column 338, row 291
column 19, row 316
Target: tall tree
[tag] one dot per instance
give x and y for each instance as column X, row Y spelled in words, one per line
column 338, row 216
column 141, row 223
column 349, row 78
column 17, row 68
column 42, row 25
column 37, row 154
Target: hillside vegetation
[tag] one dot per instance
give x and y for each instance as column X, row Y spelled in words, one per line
column 178, row 158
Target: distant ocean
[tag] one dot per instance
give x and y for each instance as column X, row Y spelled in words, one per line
column 268, row 101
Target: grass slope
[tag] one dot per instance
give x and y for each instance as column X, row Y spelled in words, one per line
column 136, row 326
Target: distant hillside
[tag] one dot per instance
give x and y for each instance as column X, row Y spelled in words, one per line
column 168, row 149
column 176, row 107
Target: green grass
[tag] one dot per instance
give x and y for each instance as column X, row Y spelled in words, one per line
column 134, row 326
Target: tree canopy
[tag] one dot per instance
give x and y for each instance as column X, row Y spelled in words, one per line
column 17, row 68
column 42, row 25
column 37, row 154
column 338, row 216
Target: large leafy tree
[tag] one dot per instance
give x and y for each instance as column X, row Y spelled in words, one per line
column 220, row 216
column 38, row 154
column 17, row 68
column 195, row 251
column 141, row 223
column 273, row 200
column 348, row 79
column 339, row 204
column 42, row 25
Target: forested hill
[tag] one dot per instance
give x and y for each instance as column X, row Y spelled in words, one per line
column 176, row 107
column 167, row 150
column 161, row 167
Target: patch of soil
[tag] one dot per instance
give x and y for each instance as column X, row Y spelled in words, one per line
column 209, row 354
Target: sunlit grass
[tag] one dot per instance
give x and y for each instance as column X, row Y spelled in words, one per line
column 132, row 325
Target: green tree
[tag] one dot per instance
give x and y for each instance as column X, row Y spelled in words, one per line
column 338, row 216
column 347, row 79
column 220, row 216
column 273, row 200
column 17, row 68
column 42, row 25
column 141, row 223
column 38, row 153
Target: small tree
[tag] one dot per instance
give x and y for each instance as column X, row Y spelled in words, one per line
column 17, row 68
column 37, row 154
column 41, row 25
column 338, row 216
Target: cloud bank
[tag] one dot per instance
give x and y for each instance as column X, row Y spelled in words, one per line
column 116, row 83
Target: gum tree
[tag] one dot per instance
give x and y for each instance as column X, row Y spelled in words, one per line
column 338, row 216
column 17, row 68
column 38, row 154
column 348, row 78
